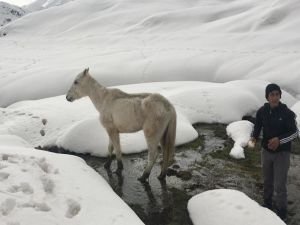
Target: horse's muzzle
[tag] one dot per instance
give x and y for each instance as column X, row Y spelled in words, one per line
column 69, row 98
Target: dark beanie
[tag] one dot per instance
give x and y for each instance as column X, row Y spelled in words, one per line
column 272, row 87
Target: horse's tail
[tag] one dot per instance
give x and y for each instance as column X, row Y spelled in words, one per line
column 168, row 140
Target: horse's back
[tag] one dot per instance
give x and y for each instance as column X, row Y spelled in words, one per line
column 119, row 94
column 157, row 104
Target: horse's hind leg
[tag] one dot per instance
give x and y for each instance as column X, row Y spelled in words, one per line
column 168, row 157
column 153, row 133
column 115, row 141
column 152, row 156
column 110, row 156
column 165, row 162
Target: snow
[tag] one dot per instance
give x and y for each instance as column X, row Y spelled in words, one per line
column 240, row 132
column 229, row 207
column 19, row 2
column 9, row 13
column 211, row 59
column 13, row 140
column 296, row 109
column 39, row 187
column 44, row 4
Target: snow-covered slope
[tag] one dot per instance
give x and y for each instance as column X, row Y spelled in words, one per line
column 44, row 4
column 135, row 41
column 9, row 13
column 169, row 16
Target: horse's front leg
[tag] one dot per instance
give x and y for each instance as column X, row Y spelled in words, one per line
column 115, row 141
column 110, row 156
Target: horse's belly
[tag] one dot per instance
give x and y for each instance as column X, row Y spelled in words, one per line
column 127, row 123
column 130, row 127
column 127, row 115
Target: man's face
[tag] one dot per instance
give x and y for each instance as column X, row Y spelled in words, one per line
column 274, row 98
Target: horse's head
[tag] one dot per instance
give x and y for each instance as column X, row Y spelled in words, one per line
column 79, row 87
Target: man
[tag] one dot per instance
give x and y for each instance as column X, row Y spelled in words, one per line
column 279, row 129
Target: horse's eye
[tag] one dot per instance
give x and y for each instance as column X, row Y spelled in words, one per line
column 75, row 82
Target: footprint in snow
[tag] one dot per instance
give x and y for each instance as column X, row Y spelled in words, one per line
column 73, row 208
column 3, row 176
column 44, row 165
column 38, row 206
column 24, row 187
column 7, row 206
column 4, row 157
column 44, row 121
column 42, row 132
column 48, row 185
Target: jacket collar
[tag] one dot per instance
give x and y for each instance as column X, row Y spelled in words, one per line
column 280, row 107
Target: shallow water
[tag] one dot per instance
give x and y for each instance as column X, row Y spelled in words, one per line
column 200, row 166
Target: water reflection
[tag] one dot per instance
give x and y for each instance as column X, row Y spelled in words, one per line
column 116, row 180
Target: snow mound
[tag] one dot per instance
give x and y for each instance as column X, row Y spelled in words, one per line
column 296, row 109
column 240, row 132
column 229, row 207
column 76, row 127
column 13, row 140
column 39, row 187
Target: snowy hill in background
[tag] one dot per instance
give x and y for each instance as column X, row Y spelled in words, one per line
column 9, row 13
column 131, row 16
column 134, row 41
column 44, row 4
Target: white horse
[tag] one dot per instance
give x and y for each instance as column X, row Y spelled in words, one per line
column 121, row 112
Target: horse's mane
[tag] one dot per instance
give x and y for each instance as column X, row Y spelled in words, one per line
column 121, row 94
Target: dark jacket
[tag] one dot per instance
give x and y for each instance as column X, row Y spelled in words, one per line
column 277, row 122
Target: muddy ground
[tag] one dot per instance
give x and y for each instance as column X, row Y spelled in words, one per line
column 201, row 165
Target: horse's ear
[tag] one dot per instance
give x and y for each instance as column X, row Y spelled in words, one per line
column 85, row 72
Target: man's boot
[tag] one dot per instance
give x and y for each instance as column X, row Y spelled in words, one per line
column 282, row 213
column 268, row 204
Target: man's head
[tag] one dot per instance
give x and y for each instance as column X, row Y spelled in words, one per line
column 273, row 94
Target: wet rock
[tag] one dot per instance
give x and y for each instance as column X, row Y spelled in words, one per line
column 175, row 166
column 171, row 172
column 184, row 175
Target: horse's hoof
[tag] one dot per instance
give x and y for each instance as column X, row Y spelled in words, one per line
column 120, row 165
column 171, row 172
column 176, row 167
column 107, row 164
column 143, row 179
column 119, row 172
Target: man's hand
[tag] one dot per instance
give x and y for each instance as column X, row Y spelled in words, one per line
column 273, row 143
column 252, row 143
